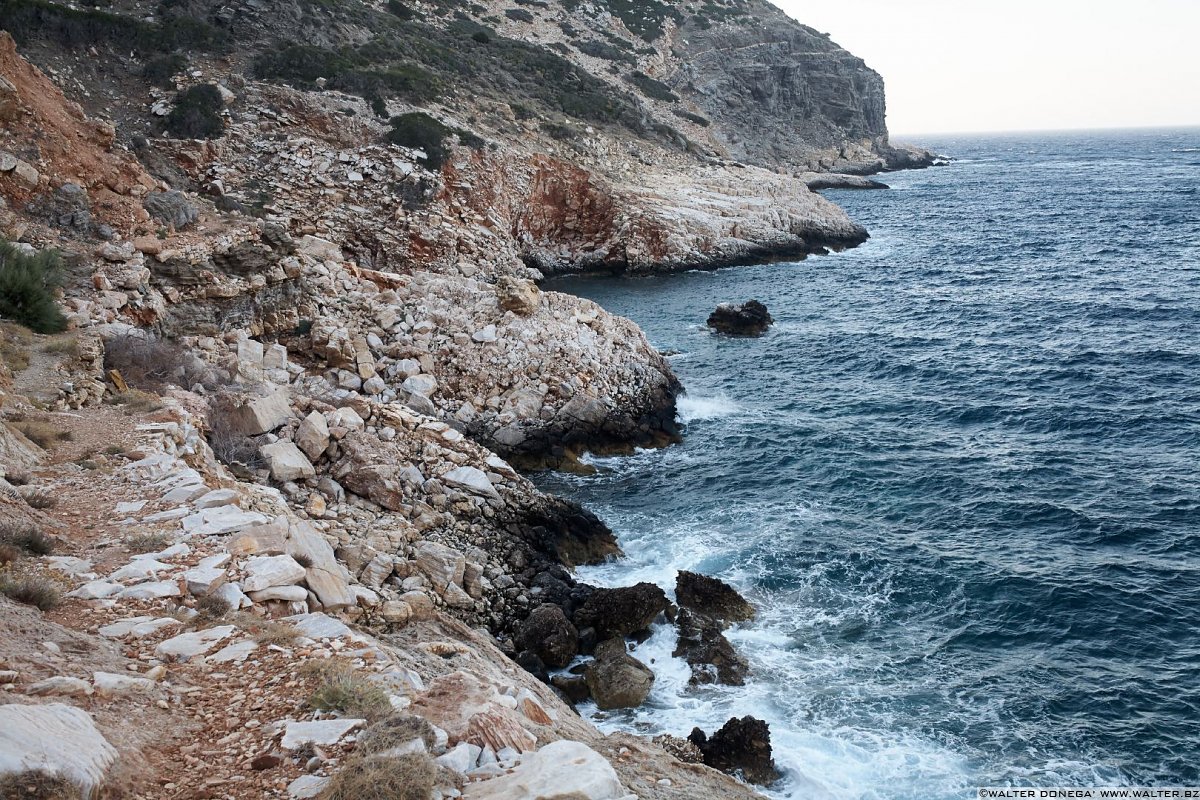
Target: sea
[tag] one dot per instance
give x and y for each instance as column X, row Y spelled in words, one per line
column 959, row 477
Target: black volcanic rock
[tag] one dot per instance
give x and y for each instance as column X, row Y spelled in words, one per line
column 748, row 319
column 740, row 746
column 712, row 597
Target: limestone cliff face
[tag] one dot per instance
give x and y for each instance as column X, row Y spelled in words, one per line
column 780, row 93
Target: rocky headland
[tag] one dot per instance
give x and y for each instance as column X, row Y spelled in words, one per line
column 274, row 362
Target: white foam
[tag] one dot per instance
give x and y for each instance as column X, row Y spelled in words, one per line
column 697, row 408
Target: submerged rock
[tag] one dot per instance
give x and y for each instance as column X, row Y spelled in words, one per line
column 740, row 746
column 748, row 319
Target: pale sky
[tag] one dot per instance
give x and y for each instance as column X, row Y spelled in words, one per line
column 1010, row 65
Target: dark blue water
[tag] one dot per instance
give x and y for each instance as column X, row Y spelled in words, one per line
column 960, row 476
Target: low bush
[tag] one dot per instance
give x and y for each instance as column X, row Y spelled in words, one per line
column 652, row 88
column 340, row 688
column 690, row 117
column 35, row 785
column 44, row 434
column 407, row 777
column 394, row 731
column 161, row 69
column 40, row 499
column 27, row 537
column 196, row 114
column 605, row 51
column 27, row 287
column 266, row 631
column 147, row 542
column 210, row 608
column 29, row 20
column 519, row 14
column 31, row 588
column 152, row 364
column 422, row 132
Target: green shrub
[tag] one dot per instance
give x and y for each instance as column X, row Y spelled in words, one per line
column 481, row 37
column 399, row 9
column 160, row 69
column 195, row 115
column 519, row 14
column 652, row 88
column 421, row 131
column 27, row 285
column 605, row 51
column 696, row 118
column 29, row 20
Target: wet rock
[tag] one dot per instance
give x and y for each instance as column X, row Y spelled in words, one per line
column 741, row 746
column 573, row 687
column 748, row 319
column 711, row 597
column 706, row 650
column 548, row 633
column 621, row 612
column 618, row 682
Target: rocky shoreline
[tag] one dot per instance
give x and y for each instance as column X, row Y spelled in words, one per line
column 265, row 526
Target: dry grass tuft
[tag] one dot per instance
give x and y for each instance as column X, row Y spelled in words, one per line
column 40, row 499
column 135, row 401
column 65, row 344
column 147, row 542
column 15, row 341
column 30, row 588
column 27, row 537
column 9, row 554
column 35, row 785
column 266, row 631
column 394, row 731
column 407, row 777
column 210, row 608
column 341, row 688
column 44, row 434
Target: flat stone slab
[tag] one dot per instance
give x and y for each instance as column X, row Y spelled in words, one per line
column 57, row 739
column 155, row 590
column 236, row 652
column 318, row 732
column 109, row 684
column 263, row 572
column 220, row 520
column 560, row 769
column 187, row 646
column 137, row 627
column 95, row 590
column 322, row 626
column 307, row 786
column 141, row 569
column 471, row 479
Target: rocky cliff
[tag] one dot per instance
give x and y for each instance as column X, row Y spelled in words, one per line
column 292, row 356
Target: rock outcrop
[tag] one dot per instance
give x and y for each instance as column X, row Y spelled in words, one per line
column 745, row 319
column 741, row 746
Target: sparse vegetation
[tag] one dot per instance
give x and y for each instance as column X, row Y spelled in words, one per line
column 26, row 537
column 266, row 631
column 394, row 731
column 196, row 114
column 152, row 364
column 407, row 777
column 652, row 88
column 147, row 542
column 135, row 401
column 519, row 14
column 341, row 688
column 421, row 131
column 36, row 785
column 30, row 20
column 42, row 433
column 40, row 499
column 27, row 287
column 15, row 341
column 161, row 69
column 30, row 588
